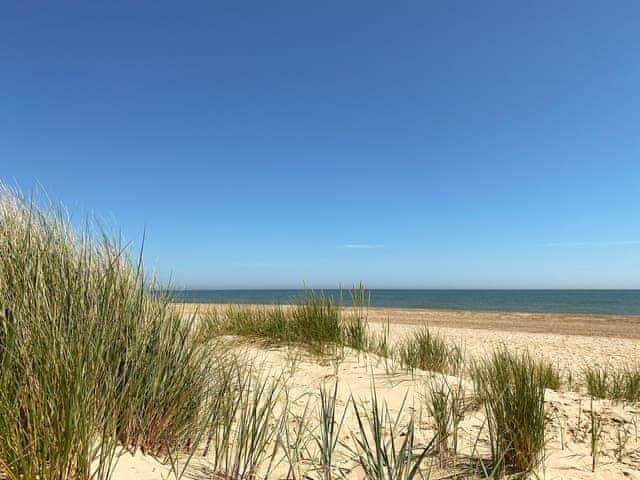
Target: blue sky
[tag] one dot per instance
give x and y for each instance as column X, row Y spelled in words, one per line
column 406, row 144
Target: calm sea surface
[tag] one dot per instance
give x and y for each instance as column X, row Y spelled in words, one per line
column 620, row 302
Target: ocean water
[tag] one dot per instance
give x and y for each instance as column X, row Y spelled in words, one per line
column 619, row 302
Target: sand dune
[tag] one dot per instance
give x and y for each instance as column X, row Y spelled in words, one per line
column 570, row 341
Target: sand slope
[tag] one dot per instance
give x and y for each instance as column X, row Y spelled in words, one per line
column 568, row 454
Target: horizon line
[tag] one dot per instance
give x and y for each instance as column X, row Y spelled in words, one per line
column 406, row 288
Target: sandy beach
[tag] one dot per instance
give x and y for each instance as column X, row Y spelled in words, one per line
column 570, row 341
column 567, row 454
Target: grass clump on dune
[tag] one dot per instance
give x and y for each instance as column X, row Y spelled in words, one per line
column 446, row 407
column 376, row 448
column 598, row 380
column 89, row 360
column 264, row 322
column 512, row 388
column 613, row 383
column 244, row 422
column 427, row 351
column 327, row 439
column 314, row 320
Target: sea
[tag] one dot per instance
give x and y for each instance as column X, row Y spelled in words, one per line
column 614, row 302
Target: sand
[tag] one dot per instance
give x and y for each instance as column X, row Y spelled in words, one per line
column 571, row 341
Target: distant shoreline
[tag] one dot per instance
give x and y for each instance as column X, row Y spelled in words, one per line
column 571, row 302
column 581, row 324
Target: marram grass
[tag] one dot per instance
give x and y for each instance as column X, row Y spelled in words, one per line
column 89, row 360
column 385, row 447
column 445, row 402
column 315, row 320
column 512, row 387
column 428, row 351
column 622, row 383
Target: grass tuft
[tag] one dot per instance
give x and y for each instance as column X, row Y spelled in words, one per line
column 89, row 359
column 244, row 423
column 512, row 388
column 328, row 437
column 615, row 384
column 314, row 320
column 427, row 351
column 375, row 443
column 446, row 406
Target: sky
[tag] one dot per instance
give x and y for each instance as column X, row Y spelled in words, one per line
column 270, row 144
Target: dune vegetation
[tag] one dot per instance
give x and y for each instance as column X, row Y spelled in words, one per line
column 616, row 383
column 89, row 360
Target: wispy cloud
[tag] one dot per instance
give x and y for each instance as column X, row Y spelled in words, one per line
column 609, row 243
column 257, row 265
column 361, row 246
